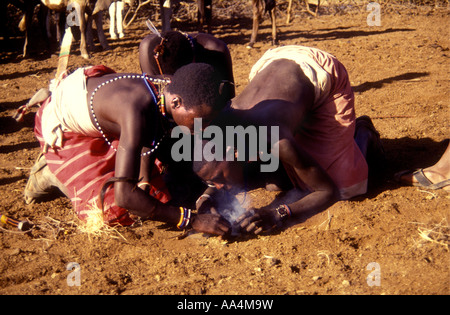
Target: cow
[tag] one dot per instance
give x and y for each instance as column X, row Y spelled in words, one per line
column 308, row 10
column 204, row 14
column 259, row 7
column 27, row 7
column 77, row 10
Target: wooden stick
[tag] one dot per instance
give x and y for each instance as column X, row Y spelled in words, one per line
column 64, row 53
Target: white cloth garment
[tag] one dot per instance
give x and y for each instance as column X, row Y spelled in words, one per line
column 68, row 110
column 302, row 56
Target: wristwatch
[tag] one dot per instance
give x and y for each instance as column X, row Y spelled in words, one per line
column 284, row 212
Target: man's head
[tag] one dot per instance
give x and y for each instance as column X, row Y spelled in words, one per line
column 194, row 92
column 167, row 54
column 228, row 175
column 219, row 166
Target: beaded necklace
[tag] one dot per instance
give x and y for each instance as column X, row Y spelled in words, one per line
column 191, row 42
column 149, row 83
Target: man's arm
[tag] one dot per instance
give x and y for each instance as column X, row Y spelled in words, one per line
column 323, row 191
column 146, row 55
column 304, row 172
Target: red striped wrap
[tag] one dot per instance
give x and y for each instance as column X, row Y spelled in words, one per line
column 85, row 163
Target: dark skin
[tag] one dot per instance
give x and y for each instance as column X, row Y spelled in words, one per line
column 125, row 109
column 210, row 50
column 285, row 104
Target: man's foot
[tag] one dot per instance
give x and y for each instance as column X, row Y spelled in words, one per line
column 424, row 178
column 34, row 189
column 42, row 183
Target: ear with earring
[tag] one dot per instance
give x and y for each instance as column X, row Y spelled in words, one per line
column 225, row 89
column 176, row 102
column 225, row 86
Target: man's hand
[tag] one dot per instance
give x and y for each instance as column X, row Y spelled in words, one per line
column 258, row 220
column 207, row 206
column 211, row 223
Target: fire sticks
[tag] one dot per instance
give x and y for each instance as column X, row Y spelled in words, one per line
column 20, row 225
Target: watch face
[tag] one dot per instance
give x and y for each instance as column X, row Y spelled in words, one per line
column 282, row 211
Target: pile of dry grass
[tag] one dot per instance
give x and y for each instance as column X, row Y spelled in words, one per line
column 94, row 224
column 434, row 233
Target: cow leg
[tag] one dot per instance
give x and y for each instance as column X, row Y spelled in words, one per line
column 289, row 9
column 27, row 20
column 27, row 24
column 88, row 32
column 313, row 13
column 100, row 32
column 29, row 10
column 48, row 24
column 83, row 42
column 166, row 14
column 44, row 24
column 208, row 14
column 60, row 26
column 257, row 14
column 274, row 26
column 119, row 22
column 200, row 14
column 112, row 20
column 204, row 14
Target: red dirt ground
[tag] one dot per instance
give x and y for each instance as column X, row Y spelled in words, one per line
column 400, row 73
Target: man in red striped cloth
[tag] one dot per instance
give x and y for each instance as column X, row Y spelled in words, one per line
column 99, row 131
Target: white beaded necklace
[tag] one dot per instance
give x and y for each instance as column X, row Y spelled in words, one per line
column 161, row 82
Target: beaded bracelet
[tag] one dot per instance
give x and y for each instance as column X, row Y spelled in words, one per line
column 140, row 185
column 185, row 217
column 204, row 196
column 289, row 211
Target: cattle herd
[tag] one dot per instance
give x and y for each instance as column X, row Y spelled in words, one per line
column 81, row 13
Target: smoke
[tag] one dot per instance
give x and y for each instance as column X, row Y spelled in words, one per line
column 232, row 207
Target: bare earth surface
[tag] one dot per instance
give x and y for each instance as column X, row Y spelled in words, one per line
column 400, row 73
